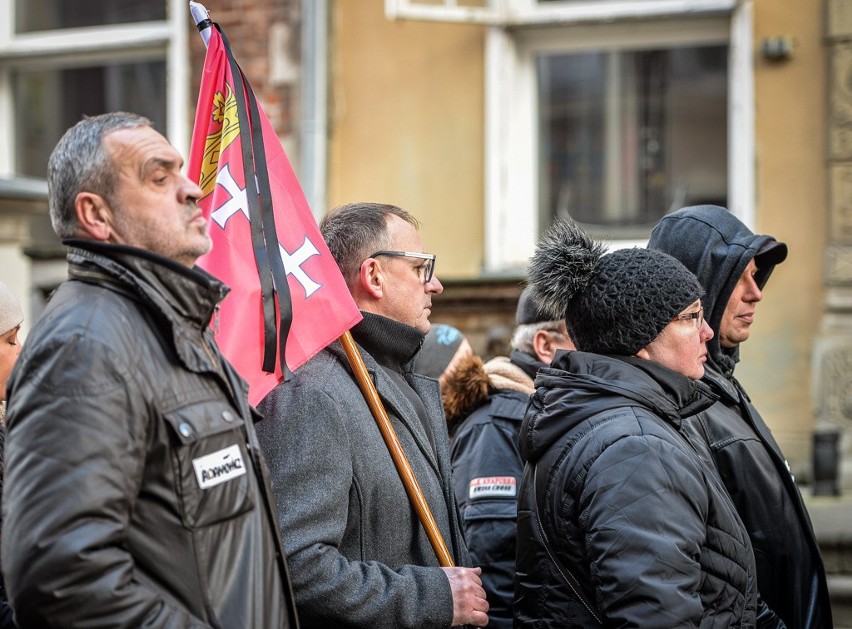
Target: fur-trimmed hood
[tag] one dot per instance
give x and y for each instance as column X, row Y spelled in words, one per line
column 472, row 382
column 464, row 391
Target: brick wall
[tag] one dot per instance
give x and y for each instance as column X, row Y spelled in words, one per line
column 264, row 36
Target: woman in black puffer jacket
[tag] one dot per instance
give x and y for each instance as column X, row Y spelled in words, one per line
column 620, row 521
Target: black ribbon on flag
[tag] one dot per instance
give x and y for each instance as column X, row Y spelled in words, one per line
column 264, row 235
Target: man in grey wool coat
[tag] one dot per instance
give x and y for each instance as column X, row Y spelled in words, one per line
column 359, row 557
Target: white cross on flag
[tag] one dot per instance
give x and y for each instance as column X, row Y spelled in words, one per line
column 287, row 294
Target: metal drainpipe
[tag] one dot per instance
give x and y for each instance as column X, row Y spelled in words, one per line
column 314, row 103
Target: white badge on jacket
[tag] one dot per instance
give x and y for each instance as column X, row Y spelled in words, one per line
column 490, row 486
column 218, row 467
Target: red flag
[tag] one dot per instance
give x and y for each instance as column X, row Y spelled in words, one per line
column 263, row 234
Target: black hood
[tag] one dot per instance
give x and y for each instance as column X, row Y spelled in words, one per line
column 713, row 244
column 580, row 385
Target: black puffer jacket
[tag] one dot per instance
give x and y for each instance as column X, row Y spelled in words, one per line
column 135, row 491
column 487, row 466
column 717, row 247
column 627, row 504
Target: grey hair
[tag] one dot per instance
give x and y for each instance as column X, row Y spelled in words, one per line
column 524, row 334
column 80, row 163
column 354, row 231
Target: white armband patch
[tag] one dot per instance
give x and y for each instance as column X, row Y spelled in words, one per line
column 490, row 486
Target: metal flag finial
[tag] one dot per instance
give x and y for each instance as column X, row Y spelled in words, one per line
column 202, row 20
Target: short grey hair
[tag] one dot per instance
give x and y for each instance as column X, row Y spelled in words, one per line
column 522, row 337
column 356, row 230
column 80, row 163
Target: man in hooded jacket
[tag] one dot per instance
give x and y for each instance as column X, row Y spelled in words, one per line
column 733, row 265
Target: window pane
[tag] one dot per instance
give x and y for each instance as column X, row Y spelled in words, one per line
column 41, row 15
column 47, row 102
column 626, row 136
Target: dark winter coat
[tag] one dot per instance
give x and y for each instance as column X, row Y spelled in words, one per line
column 358, row 554
column 121, row 411
column 791, row 577
column 487, row 466
column 643, row 523
column 6, row 619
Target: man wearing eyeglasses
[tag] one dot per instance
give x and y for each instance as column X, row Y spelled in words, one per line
column 733, row 265
column 485, row 405
column 357, row 552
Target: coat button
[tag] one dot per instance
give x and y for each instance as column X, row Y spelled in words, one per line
column 228, row 416
column 185, row 429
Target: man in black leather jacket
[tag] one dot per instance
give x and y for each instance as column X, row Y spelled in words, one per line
column 135, row 490
column 733, row 265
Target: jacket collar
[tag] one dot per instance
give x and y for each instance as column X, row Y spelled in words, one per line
column 527, row 362
column 186, row 298
column 722, row 385
column 191, row 294
column 580, row 385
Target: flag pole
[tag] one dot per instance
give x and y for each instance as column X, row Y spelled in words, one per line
column 403, row 467
column 202, row 21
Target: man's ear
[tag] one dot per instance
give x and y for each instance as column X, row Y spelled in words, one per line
column 643, row 354
column 371, row 280
column 543, row 347
column 94, row 216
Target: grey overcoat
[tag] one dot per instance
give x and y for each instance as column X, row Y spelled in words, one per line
column 358, row 555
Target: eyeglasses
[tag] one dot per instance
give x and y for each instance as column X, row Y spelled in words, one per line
column 697, row 316
column 424, row 271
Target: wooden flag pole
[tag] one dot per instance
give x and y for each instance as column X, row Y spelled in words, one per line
column 403, row 467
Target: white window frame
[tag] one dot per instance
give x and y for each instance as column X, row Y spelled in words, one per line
column 511, row 162
column 164, row 39
column 530, row 12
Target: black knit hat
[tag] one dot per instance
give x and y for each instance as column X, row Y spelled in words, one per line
column 613, row 303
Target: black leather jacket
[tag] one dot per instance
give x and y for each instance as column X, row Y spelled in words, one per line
column 627, row 503
column 135, row 491
column 792, row 581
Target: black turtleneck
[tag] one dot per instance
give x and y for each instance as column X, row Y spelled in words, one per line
column 391, row 343
column 394, row 345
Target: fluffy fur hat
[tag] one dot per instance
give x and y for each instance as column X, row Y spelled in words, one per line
column 613, row 303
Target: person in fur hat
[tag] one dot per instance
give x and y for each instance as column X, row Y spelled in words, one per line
column 620, row 520
column 485, row 404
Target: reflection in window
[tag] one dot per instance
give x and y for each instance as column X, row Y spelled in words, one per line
column 47, row 102
column 41, row 15
column 626, row 136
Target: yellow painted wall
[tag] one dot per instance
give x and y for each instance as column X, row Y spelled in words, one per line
column 790, row 117
column 407, row 125
column 407, row 128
